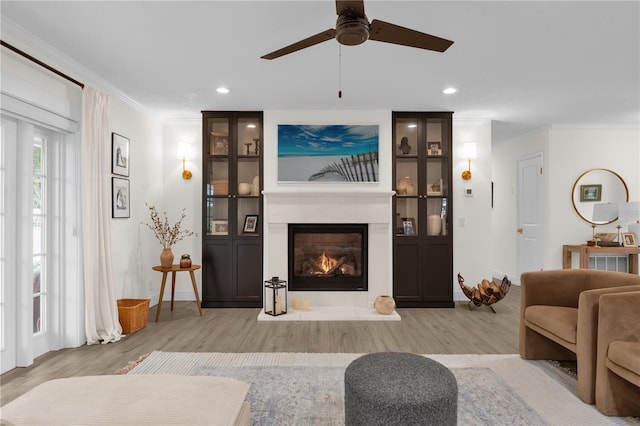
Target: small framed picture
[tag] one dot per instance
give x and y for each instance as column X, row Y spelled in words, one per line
column 250, row 224
column 119, row 155
column 219, row 143
column 629, row 239
column 408, row 226
column 591, row 192
column 120, row 198
column 219, row 227
column 434, row 148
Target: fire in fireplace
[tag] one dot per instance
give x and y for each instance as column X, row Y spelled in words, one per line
column 327, row 257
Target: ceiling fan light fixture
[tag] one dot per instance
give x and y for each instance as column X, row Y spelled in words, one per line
column 450, row 90
column 352, row 30
column 222, row 90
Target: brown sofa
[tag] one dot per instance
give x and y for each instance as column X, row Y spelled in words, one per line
column 618, row 365
column 559, row 317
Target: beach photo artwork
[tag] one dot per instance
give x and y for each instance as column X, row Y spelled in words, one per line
column 328, row 153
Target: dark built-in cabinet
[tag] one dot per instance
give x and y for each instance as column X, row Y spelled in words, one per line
column 232, row 209
column 423, row 241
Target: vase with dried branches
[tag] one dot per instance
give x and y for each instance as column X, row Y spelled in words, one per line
column 167, row 234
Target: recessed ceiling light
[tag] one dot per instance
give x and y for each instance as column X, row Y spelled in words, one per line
column 412, row 126
column 449, row 90
column 222, row 90
column 251, row 126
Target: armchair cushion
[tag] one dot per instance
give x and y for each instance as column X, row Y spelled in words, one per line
column 561, row 321
column 623, row 358
column 618, row 356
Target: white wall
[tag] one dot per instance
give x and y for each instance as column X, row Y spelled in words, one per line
column 134, row 248
column 471, row 215
column 567, row 152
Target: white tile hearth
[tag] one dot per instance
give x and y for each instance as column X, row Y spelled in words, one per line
column 331, row 313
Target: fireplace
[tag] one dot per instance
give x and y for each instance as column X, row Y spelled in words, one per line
column 327, row 257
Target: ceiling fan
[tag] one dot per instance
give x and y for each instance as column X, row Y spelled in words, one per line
column 353, row 28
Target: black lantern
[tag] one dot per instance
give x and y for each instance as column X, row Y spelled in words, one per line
column 275, row 297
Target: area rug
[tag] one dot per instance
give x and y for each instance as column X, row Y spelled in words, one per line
column 308, row 389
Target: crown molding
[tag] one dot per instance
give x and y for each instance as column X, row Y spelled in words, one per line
column 24, row 40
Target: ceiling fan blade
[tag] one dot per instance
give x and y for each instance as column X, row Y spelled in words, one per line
column 391, row 33
column 307, row 42
column 351, row 8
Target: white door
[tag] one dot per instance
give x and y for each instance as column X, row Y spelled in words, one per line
column 530, row 214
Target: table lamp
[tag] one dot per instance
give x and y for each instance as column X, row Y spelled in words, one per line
column 603, row 213
column 630, row 212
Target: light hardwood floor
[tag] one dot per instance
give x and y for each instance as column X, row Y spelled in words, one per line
column 423, row 331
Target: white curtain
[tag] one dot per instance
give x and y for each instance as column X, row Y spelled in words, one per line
column 102, row 325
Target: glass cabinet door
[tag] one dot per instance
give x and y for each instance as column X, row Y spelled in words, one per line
column 422, row 170
column 437, row 149
column 247, row 177
column 217, row 201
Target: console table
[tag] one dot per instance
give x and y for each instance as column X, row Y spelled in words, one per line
column 173, row 269
column 584, row 251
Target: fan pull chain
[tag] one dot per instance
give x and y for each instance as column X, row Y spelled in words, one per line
column 339, row 71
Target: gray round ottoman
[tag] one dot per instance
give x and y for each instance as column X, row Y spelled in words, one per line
column 395, row 388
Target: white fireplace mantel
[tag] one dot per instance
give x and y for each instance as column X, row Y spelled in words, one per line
column 348, row 206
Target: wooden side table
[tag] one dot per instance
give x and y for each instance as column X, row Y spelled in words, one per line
column 173, row 269
column 584, row 251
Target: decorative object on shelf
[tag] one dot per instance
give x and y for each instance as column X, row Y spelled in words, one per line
column 486, row 293
column 469, row 151
column 434, row 224
column 185, row 261
column 219, row 144
column 629, row 239
column 250, row 224
column 275, row 297
column 435, row 188
column 244, row 188
column 167, row 234
column 119, row 155
column 296, row 304
column 434, row 149
column 306, row 305
column 405, row 186
column 404, row 146
column 384, row 304
column 408, row 226
column 248, row 145
column 120, row 200
column 219, row 227
column 220, row 186
column 255, row 188
column 256, row 150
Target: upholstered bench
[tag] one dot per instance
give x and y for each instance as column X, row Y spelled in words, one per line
column 132, row 400
column 395, row 388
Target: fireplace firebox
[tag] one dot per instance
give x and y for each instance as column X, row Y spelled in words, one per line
column 327, row 257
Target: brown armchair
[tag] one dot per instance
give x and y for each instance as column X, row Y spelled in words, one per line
column 559, row 317
column 618, row 365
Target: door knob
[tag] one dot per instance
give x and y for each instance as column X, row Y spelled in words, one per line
column 519, row 230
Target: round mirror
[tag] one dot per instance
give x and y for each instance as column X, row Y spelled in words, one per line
column 595, row 187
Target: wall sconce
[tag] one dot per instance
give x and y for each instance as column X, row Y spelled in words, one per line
column 184, row 152
column 469, row 151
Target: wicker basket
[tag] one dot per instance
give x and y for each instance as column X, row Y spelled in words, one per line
column 133, row 314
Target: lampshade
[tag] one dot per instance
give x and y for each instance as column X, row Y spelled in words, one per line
column 605, row 212
column 469, row 150
column 629, row 212
column 184, row 150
